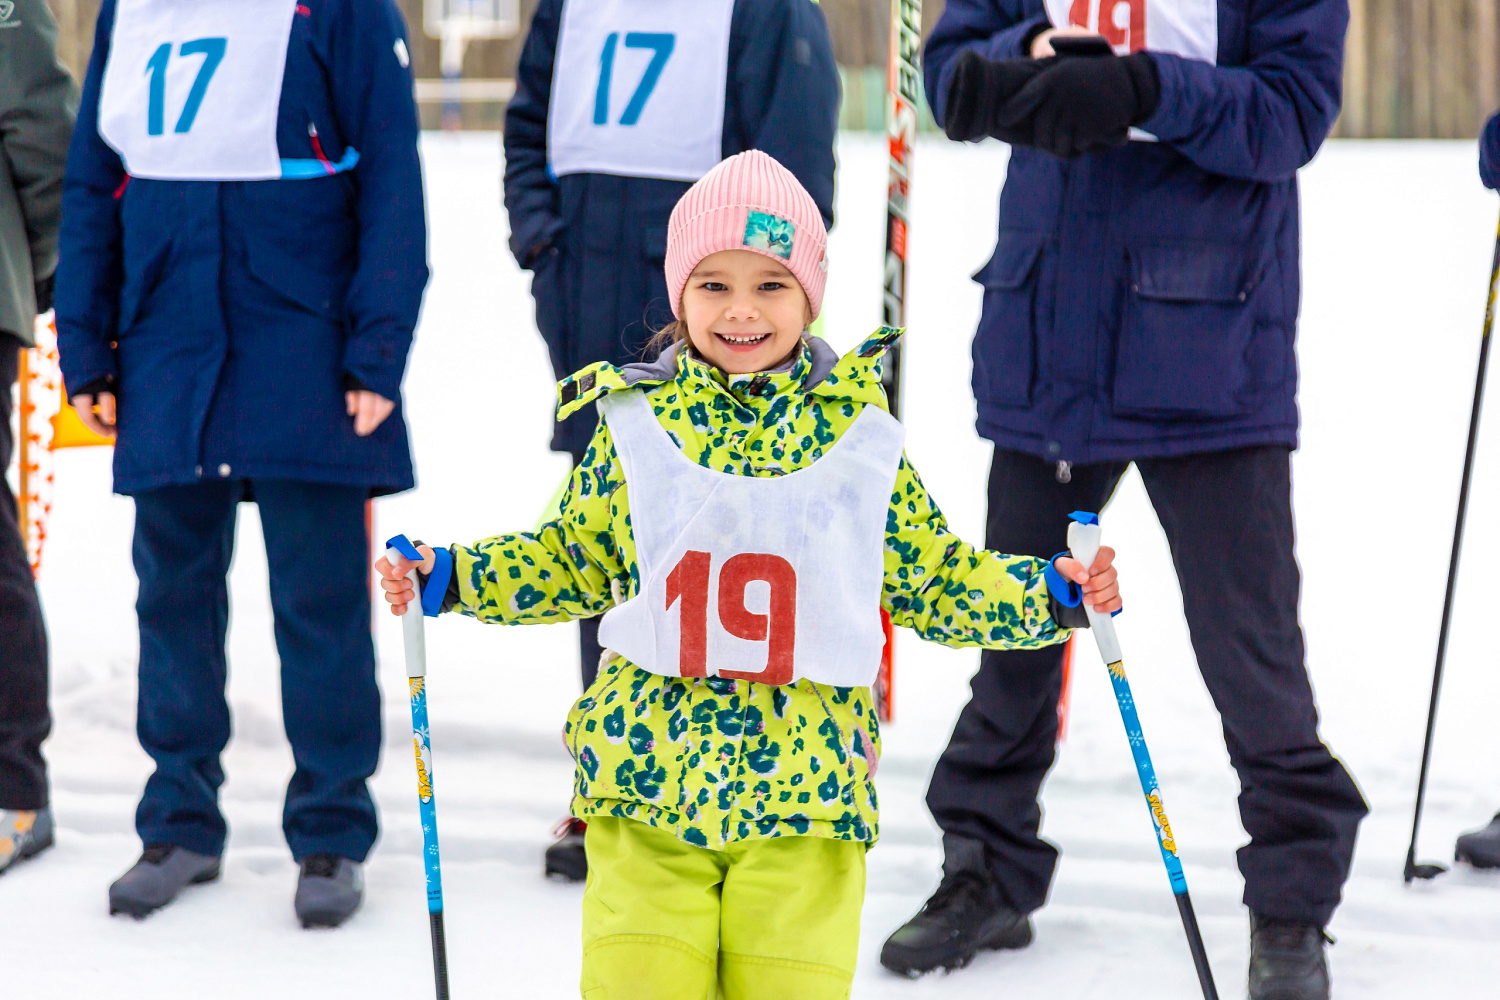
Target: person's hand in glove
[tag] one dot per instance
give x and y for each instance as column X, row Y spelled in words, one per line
column 1083, row 104
column 978, row 89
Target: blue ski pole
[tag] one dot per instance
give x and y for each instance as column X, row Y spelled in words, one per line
column 413, row 632
column 1084, row 538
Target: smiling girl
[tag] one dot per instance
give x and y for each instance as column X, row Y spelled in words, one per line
column 741, row 516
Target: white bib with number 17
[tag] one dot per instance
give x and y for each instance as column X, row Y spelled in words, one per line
column 761, row 579
column 191, row 89
column 638, row 88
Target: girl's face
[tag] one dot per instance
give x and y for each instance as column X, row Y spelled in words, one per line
column 744, row 312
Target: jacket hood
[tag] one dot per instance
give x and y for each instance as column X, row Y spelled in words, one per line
column 854, row 377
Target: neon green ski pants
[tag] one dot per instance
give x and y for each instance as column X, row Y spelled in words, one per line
column 760, row 920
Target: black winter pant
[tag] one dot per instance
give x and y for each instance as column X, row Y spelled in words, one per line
column 24, row 720
column 317, row 552
column 1228, row 520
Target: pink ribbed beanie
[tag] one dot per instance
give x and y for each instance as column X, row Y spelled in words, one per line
column 748, row 202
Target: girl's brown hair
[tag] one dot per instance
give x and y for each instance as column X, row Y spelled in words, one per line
column 673, row 333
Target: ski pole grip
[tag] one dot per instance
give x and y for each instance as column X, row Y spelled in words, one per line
column 1084, row 540
column 1085, row 535
column 413, row 628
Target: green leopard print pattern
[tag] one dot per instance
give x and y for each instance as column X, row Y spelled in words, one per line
column 717, row 760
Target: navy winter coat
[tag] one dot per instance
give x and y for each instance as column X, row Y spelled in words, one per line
column 596, row 243
column 230, row 313
column 1142, row 302
column 1489, row 153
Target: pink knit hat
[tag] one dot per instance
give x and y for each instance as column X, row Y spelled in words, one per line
column 748, row 202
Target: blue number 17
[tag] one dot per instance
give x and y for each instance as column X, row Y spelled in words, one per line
column 660, row 44
column 212, row 50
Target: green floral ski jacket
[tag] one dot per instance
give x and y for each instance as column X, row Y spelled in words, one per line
column 715, row 760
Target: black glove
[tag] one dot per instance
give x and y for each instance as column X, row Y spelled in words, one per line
column 978, row 90
column 1084, row 104
column 44, row 293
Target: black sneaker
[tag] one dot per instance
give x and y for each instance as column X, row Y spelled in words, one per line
column 329, row 890
column 1480, row 848
column 565, row 860
column 965, row 915
column 1287, row 960
column 163, row 871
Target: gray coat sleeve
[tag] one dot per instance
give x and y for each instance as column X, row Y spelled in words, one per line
column 38, row 104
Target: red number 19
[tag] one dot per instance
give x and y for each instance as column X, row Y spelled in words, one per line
column 688, row 582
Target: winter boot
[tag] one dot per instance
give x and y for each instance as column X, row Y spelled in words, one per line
column 329, row 890
column 1287, row 960
column 966, row 914
column 23, row 834
column 154, row 881
column 565, row 860
column 1480, row 848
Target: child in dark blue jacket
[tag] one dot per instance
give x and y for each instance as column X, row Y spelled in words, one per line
column 620, row 105
column 243, row 256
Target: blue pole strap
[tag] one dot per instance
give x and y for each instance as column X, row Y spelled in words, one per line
column 437, row 581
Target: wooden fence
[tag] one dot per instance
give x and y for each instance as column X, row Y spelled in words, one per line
column 1420, row 68
column 1412, row 68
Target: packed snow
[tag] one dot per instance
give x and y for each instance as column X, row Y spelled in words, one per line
column 1397, row 247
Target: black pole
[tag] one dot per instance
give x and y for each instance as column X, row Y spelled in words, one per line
column 1412, row 869
column 1195, row 945
column 439, row 955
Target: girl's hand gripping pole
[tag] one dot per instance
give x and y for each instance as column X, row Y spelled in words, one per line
column 416, row 672
column 1084, row 538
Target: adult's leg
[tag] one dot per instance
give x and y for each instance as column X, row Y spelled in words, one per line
column 589, row 649
column 1228, row 518
column 184, row 540
column 983, row 792
column 318, row 555
column 650, row 914
column 789, row 926
column 24, row 719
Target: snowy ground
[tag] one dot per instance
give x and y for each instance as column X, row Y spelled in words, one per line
column 1397, row 244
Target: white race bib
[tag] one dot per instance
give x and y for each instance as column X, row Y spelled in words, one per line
column 191, row 87
column 761, row 579
column 1188, row 28
column 638, row 88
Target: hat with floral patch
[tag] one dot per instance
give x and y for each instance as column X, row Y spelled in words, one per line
column 748, row 202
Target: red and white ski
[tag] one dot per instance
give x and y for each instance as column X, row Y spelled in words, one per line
column 903, row 85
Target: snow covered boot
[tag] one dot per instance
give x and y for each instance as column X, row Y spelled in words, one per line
column 1480, row 848
column 329, row 890
column 154, row 881
column 968, row 913
column 23, row 834
column 565, row 860
column 1287, row 960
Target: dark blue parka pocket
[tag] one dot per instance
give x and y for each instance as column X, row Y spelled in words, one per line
column 1005, row 344
column 1186, row 331
column 300, row 280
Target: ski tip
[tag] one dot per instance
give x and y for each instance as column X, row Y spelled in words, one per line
column 1425, row 873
